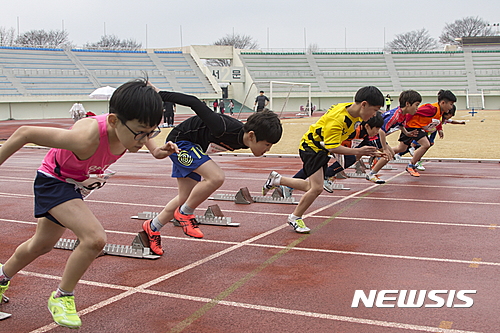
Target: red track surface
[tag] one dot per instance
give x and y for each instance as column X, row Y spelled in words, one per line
column 409, row 234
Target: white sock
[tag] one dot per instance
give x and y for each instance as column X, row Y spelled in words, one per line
column 186, row 210
column 293, row 217
column 156, row 224
column 277, row 180
column 62, row 293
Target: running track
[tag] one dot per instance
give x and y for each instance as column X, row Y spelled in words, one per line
column 436, row 232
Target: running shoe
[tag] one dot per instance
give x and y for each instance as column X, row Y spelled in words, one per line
column 64, row 311
column 374, row 178
column 299, row 226
column 328, row 184
column 188, row 223
column 412, row 171
column 271, row 182
column 419, row 166
column 153, row 237
column 3, row 289
column 411, row 150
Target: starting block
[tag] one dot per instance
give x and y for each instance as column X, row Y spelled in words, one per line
column 243, row 197
column 213, row 216
column 138, row 249
column 356, row 175
column 4, row 315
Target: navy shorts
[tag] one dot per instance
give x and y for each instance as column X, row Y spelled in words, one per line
column 51, row 192
column 313, row 161
column 407, row 139
column 190, row 158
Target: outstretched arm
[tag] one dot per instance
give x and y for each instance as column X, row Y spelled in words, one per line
column 80, row 139
column 214, row 121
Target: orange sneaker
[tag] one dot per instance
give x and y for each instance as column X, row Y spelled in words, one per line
column 412, row 171
column 188, row 223
column 154, row 238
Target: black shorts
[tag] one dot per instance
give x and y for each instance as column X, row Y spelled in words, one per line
column 313, row 161
column 51, row 192
column 408, row 139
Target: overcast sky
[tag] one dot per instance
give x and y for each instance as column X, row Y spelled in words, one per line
column 288, row 24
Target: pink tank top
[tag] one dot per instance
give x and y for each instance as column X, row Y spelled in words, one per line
column 62, row 163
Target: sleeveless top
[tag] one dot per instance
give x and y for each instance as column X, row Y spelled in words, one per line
column 64, row 165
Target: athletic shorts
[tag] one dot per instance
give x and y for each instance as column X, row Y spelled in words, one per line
column 51, row 192
column 408, row 139
column 190, row 158
column 312, row 161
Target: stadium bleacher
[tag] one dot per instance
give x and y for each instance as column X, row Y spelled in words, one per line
column 36, row 72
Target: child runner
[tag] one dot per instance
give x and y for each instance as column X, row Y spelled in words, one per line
column 79, row 165
column 432, row 136
column 205, row 132
column 364, row 135
column 394, row 120
column 427, row 119
column 325, row 138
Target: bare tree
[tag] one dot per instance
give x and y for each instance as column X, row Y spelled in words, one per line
column 466, row 27
column 413, row 41
column 313, row 47
column 42, row 38
column 7, row 36
column 112, row 42
column 237, row 41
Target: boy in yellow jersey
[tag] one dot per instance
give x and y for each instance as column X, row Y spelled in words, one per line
column 323, row 138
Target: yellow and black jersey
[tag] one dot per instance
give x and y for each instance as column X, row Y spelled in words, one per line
column 332, row 129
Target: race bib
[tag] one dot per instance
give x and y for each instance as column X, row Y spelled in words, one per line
column 355, row 142
column 94, row 182
column 214, row 148
column 432, row 126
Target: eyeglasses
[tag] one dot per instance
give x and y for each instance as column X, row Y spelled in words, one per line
column 141, row 135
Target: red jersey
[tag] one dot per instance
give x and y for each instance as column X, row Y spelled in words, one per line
column 424, row 118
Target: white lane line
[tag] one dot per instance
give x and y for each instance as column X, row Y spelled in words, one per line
column 130, row 290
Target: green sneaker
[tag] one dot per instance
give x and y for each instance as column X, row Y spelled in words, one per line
column 299, row 226
column 64, row 311
column 3, row 288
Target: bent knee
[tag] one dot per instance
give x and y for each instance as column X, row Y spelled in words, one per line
column 95, row 244
column 217, row 180
column 316, row 191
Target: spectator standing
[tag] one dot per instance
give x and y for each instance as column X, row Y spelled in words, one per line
column 261, row 101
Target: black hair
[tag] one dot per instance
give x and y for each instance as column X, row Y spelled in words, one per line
column 261, row 92
column 266, row 125
column 446, row 95
column 136, row 100
column 376, row 121
column 452, row 110
column 409, row 96
column 370, row 94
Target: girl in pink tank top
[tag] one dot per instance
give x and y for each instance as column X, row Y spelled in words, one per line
column 78, row 162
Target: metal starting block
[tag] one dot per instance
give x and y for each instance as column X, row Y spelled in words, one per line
column 213, row 216
column 138, row 249
column 243, row 197
column 356, row 175
column 389, row 167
